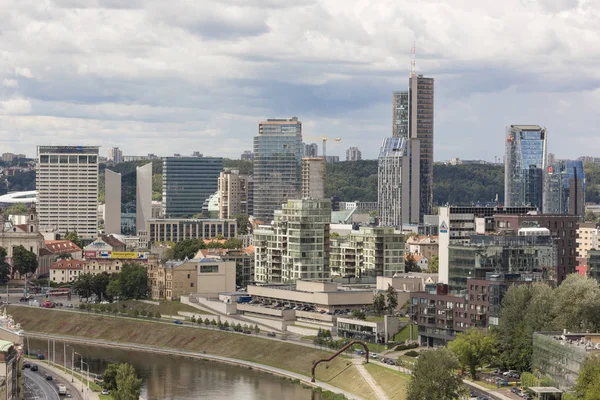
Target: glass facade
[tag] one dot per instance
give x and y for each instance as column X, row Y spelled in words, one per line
column 400, row 114
column 278, row 153
column 564, row 188
column 525, row 162
column 187, row 183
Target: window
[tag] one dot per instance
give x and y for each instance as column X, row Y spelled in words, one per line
column 209, row 269
column 192, row 284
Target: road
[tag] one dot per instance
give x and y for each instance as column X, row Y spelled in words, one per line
column 37, row 387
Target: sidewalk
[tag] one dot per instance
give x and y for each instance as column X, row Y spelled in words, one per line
column 76, row 385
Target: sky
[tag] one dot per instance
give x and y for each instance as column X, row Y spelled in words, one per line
column 177, row 76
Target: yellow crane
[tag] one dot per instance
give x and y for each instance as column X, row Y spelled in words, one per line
column 324, row 139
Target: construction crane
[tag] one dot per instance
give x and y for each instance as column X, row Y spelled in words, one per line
column 324, row 139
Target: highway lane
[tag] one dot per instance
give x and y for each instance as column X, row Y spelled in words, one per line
column 39, row 387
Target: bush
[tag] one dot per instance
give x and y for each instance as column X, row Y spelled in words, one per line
column 402, row 347
column 136, row 313
column 193, row 319
column 143, row 313
column 206, row 322
column 412, row 353
column 157, row 315
column 82, row 306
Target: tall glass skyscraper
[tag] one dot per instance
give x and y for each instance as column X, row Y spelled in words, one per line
column 525, row 162
column 278, row 153
column 187, row 183
column 564, row 188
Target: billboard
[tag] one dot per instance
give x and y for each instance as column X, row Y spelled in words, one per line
column 124, row 255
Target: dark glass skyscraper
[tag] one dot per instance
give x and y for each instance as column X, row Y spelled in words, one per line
column 187, row 183
column 564, row 188
column 524, row 165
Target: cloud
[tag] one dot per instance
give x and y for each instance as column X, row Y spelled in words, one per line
column 166, row 77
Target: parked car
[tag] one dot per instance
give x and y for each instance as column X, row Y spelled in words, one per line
column 105, row 392
column 178, row 322
column 247, row 332
column 40, row 357
column 271, row 334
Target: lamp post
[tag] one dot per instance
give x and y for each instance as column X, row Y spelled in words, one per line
column 87, row 394
column 81, row 369
column 72, row 362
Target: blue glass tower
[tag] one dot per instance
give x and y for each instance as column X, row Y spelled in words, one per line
column 564, row 188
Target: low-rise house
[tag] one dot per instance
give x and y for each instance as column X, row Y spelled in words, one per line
column 426, row 246
column 64, row 271
column 64, row 248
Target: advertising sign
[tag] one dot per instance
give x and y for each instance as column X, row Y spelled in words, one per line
column 128, row 255
column 89, row 254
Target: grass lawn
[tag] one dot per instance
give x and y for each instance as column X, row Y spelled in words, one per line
column 342, row 373
column 404, row 334
column 392, row 382
column 309, row 338
column 165, row 307
column 374, row 318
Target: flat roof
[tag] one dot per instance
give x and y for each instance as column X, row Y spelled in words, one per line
column 540, row 390
column 5, row 345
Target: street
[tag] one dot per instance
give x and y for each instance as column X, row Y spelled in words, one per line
column 37, row 387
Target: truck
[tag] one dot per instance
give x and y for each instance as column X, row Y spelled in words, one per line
column 62, row 390
column 244, row 299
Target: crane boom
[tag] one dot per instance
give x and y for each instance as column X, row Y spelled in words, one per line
column 324, row 139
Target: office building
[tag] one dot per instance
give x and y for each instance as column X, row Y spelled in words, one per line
column 313, row 177
column 115, row 155
column 398, row 182
column 277, row 165
column 112, row 202
column 67, row 186
column 525, row 162
column 311, row 150
column 368, row 252
column 564, row 188
column 400, row 114
column 353, row 154
column 187, row 183
column 176, row 230
column 296, row 245
column 143, row 199
column 236, row 194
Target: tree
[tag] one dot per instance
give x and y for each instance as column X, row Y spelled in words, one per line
column 187, row 248
column 83, row 285
column 109, row 379
column 576, row 304
column 233, row 243
column 256, row 329
column 130, row 283
column 434, row 265
column 24, row 261
column 74, row 237
column 16, row 209
column 358, row 314
column 392, row 298
column 591, row 216
column 379, row 303
column 128, row 384
column 410, row 265
column 435, row 376
column 4, row 266
column 589, row 376
column 474, row 349
column 242, row 224
column 99, row 284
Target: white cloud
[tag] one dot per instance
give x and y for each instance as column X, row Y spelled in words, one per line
column 165, row 77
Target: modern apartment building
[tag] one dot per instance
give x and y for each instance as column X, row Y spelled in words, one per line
column 143, row 199
column 236, row 194
column 564, row 188
column 368, row 252
column 587, row 239
column 112, row 202
column 313, row 177
column 187, row 183
column 277, row 165
column 398, row 182
column 67, row 189
column 115, row 155
column 524, row 165
column 311, row 150
column 296, row 246
column 176, row 230
column 353, row 154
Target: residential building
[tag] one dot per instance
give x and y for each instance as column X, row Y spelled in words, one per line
column 63, row 248
column 156, row 211
column 11, row 382
column 243, row 258
column 420, row 261
column 176, row 230
column 112, row 262
column 103, row 244
column 67, row 185
column 458, row 224
column 10, row 157
column 115, row 155
column 143, row 198
column 564, row 188
column 426, row 246
column 65, row 271
column 368, row 252
column 311, row 150
column 398, row 182
column 296, row 245
column 587, row 237
column 236, row 194
column 525, row 163
column 277, row 165
column 313, row 178
column 112, row 202
column 247, row 156
column 353, row 154
column 187, row 183
column 562, row 227
column 332, row 159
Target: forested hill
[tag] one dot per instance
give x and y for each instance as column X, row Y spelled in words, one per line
column 452, row 184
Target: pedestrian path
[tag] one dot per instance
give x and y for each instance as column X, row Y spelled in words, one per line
column 369, row 379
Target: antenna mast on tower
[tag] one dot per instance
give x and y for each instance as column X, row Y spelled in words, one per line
column 413, row 55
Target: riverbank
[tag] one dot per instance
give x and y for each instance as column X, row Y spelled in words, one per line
column 292, row 360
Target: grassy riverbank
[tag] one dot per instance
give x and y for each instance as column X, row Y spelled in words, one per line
column 284, row 355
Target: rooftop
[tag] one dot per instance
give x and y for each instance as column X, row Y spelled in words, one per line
column 67, row 265
column 61, row 246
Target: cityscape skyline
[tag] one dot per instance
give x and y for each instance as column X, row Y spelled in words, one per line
column 334, row 68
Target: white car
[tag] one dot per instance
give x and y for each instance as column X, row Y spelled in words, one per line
column 105, row 391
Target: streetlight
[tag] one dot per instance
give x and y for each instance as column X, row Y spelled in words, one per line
column 87, row 394
column 72, row 362
column 81, row 369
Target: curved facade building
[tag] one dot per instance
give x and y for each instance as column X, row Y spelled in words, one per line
column 28, row 197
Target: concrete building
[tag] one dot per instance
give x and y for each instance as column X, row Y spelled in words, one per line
column 143, row 199
column 296, row 246
column 11, row 382
column 65, row 271
column 277, row 165
column 10, row 157
column 368, row 252
column 525, row 163
column 564, row 188
column 112, row 202
column 353, row 154
column 587, row 238
column 115, row 155
column 370, row 331
column 187, row 183
column 113, row 262
column 176, row 230
column 398, row 182
column 313, row 178
column 243, row 259
column 236, row 194
column 311, row 150
column 67, row 185
column 332, row 159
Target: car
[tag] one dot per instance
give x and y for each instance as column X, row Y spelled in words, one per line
column 177, row 322
column 48, row 377
column 34, row 368
column 69, row 306
column 247, row 332
column 271, row 334
column 26, row 365
column 23, row 299
column 105, row 392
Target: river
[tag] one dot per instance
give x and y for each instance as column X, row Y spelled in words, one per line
column 172, row 377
